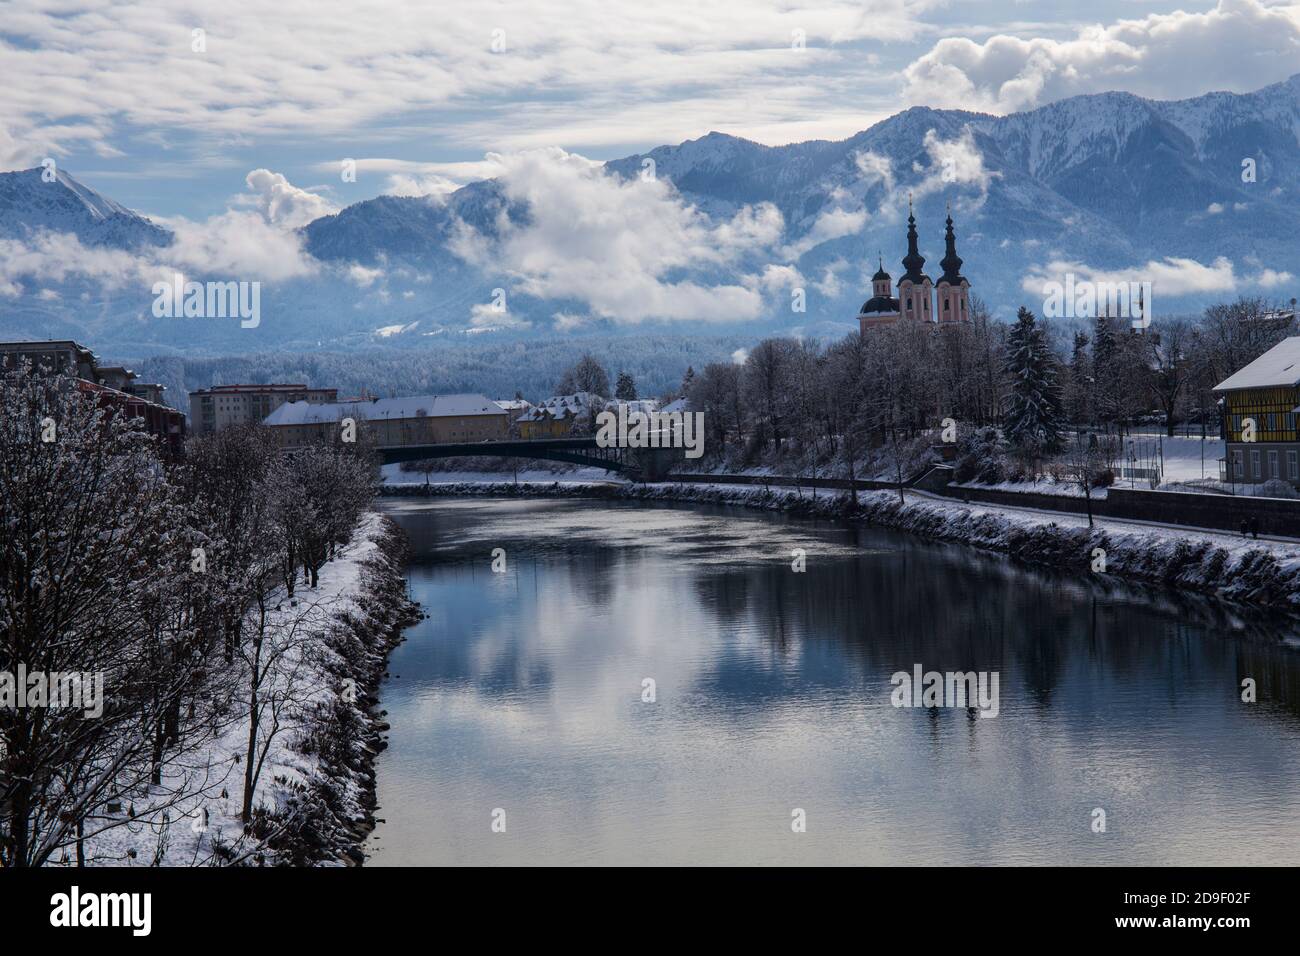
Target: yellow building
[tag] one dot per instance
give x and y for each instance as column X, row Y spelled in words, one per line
column 390, row 422
column 1261, row 404
column 559, row 416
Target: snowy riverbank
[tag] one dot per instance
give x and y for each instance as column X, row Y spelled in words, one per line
column 1249, row 571
column 314, row 801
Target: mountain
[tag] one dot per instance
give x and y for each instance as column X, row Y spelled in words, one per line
column 1110, row 181
column 29, row 204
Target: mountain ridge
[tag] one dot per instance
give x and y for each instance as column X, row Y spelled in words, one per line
column 1110, row 181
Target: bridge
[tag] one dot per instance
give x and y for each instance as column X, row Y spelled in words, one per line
column 635, row 463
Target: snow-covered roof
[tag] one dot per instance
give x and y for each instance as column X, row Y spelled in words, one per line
column 413, row 406
column 1279, row 366
column 510, row 404
column 680, row 405
column 645, row 406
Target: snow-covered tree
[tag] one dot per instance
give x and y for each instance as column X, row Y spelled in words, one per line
column 586, row 375
column 625, row 390
column 96, row 579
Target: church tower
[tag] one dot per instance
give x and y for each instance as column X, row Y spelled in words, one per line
column 952, row 301
column 881, row 308
column 914, row 288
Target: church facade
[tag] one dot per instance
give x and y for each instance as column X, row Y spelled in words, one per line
column 943, row 302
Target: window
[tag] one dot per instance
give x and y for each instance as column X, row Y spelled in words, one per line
column 1292, row 466
column 1272, row 465
column 1238, row 465
column 1254, row 464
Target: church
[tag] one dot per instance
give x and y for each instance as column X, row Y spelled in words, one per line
column 942, row 302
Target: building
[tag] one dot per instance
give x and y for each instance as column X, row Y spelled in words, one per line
column 1261, row 403
column 514, row 407
column 560, row 416
column 916, row 292
column 388, row 422
column 113, row 386
column 63, row 356
column 224, row 405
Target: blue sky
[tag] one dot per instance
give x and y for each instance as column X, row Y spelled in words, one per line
column 420, row 93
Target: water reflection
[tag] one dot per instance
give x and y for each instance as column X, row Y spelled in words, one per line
column 522, row 691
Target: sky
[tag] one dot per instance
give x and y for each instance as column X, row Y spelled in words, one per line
column 192, row 109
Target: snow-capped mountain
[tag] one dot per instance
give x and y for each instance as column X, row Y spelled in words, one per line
column 1110, row 182
column 30, row 204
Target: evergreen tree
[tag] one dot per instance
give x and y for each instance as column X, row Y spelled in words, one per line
column 1033, row 405
column 1104, row 398
column 688, row 379
column 625, row 390
column 1078, row 394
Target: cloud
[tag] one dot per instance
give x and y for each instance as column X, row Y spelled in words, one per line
column 483, row 315
column 237, row 245
column 319, row 67
column 630, row 250
column 284, row 204
column 833, row 223
column 1240, row 45
column 1271, row 279
column 874, row 168
column 362, row 276
column 953, row 162
column 1168, row 277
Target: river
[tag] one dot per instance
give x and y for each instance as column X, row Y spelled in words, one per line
column 522, row 729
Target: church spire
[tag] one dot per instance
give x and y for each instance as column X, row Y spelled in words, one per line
column 913, row 262
column 951, row 261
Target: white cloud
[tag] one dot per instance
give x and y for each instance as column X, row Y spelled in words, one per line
column 363, row 276
column 1271, row 279
column 325, row 66
column 833, row 223
column 1239, row 45
column 875, row 169
column 1168, row 277
column 284, row 204
column 482, row 315
column 1214, row 208
column 629, row 250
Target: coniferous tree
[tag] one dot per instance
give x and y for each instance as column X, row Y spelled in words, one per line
column 625, row 390
column 1106, row 383
column 1079, row 386
column 1033, row 404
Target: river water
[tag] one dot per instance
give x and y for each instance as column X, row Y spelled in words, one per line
column 521, row 732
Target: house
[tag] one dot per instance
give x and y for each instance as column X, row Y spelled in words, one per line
column 113, row 386
column 389, row 422
column 514, row 407
column 560, row 416
column 1260, row 405
column 224, row 405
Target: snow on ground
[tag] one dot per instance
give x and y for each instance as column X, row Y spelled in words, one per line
column 186, row 842
column 1234, row 544
column 1182, row 458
